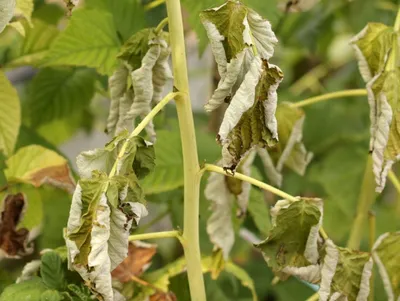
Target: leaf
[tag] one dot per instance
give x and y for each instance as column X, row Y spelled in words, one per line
column 259, row 211
column 6, row 12
column 297, row 5
column 51, row 271
column 138, row 261
column 25, row 8
column 250, row 121
column 292, row 244
column 29, row 271
column 290, row 150
column 163, row 297
column 14, row 241
column 37, row 165
column 101, row 216
column 222, row 191
column 51, row 295
column 232, row 29
column 58, row 93
column 89, row 40
column 386, row 256
column 345, row 274
column 34, row 46
column 168, row 173
column 31, row 289
column 10, row 118
column 244, row 278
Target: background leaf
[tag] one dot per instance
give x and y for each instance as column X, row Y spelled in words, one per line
column 51, row 271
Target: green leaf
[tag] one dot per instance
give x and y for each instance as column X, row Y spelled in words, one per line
column 10, row 118
column 89, row 40
column 144, row 162
column 386, row 255
column 37, row 165
column 6, row 12
column 259, row 211
column 27, row 290
column 136, row 47
column 25, row 8
column 244, row 278
column 51, row 271
column 345, row 274
column 33, row 216
column 51, row 295
column 33, row 48
column 128, row 15
column 168, row 173
column 58, row 93
column 292, row 244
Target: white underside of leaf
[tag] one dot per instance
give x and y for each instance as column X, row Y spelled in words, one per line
column 29, row 270
column 226, row 84
column 362, row 62
column 97, row 159
column 382, row 269
column 161, row 72
column 125, row 104
column 219, row 225
column 311, row 273
column 263, row 36
column 328, row 270
column 363, row 293
column 7, row 8
column 311, row 251
column 242, row 101
column 217, row 47
column 272, row 173
column 245, row 168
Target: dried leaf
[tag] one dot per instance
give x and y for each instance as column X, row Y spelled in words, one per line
column 139, row 259
column 6, row 12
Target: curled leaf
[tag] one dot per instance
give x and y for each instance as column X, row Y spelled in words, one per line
column 290, row 150
column 386, row 256
column 14, row 241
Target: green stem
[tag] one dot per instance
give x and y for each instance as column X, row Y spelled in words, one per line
column 161, row 25
column 372, row 235
column 155, row 235
column 397, row 22
column 339, row 94
column 190, row 158
column 314, row 297
column 395, row 181
column 392, row 60
column 153, row 4
column 366, row 199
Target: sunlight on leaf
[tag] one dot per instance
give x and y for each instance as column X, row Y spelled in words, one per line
column 6, row 12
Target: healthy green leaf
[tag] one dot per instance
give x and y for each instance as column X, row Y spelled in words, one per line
column 89, row 40
column 51, row 295
column 386, row 255
column 345, row 274
column 37, row 165
column 6, row 12
column 290, row 150
column 27, row 290
column 10, row 118
column 292, row 244
column 51, row 271
column 57, row 93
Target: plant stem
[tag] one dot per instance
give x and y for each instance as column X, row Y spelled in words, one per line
column 365, row 201
column 392, row 60
column 339, row 94
column 314, row 297
column 155, row 235
column 395, row 181
column 239, row 176
column 153, row 4
column 161, row 25
column 189, row 149
column 372, row 235
column 397, row 22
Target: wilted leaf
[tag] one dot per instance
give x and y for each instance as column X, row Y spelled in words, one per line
column 14, row 241
column 102, row 214
column 30, row 270
column 387, row 257
column 292, row 244
column 6, row 12
column 250, row 121
column 37, row 165
column 345, row 274
column 290, row 150
column 10, row 112
column 89, row 40
column 139, row 259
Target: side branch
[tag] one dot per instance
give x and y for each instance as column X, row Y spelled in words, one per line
column 155, row 235
column 339, row 94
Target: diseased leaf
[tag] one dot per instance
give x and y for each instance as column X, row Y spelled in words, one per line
column 386, row 256
column 6, row 12
column 139, row 259
column 292, row 244
column 102, row 213
column 37, row 165
column 89, row 40
column 223, row 191
column 297, row 5
column 258, row 209
column 290, row 150
column 30, row 270
column 10, row 114
column 14, row 241
column 58, row 93
column 345, row 274
column 249, row 121
column 51, row 271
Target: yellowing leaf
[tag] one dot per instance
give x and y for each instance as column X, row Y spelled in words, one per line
column 37, row 165
column 6, row 12
column 387, row 257
column 10, row 115
column 25, row 8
